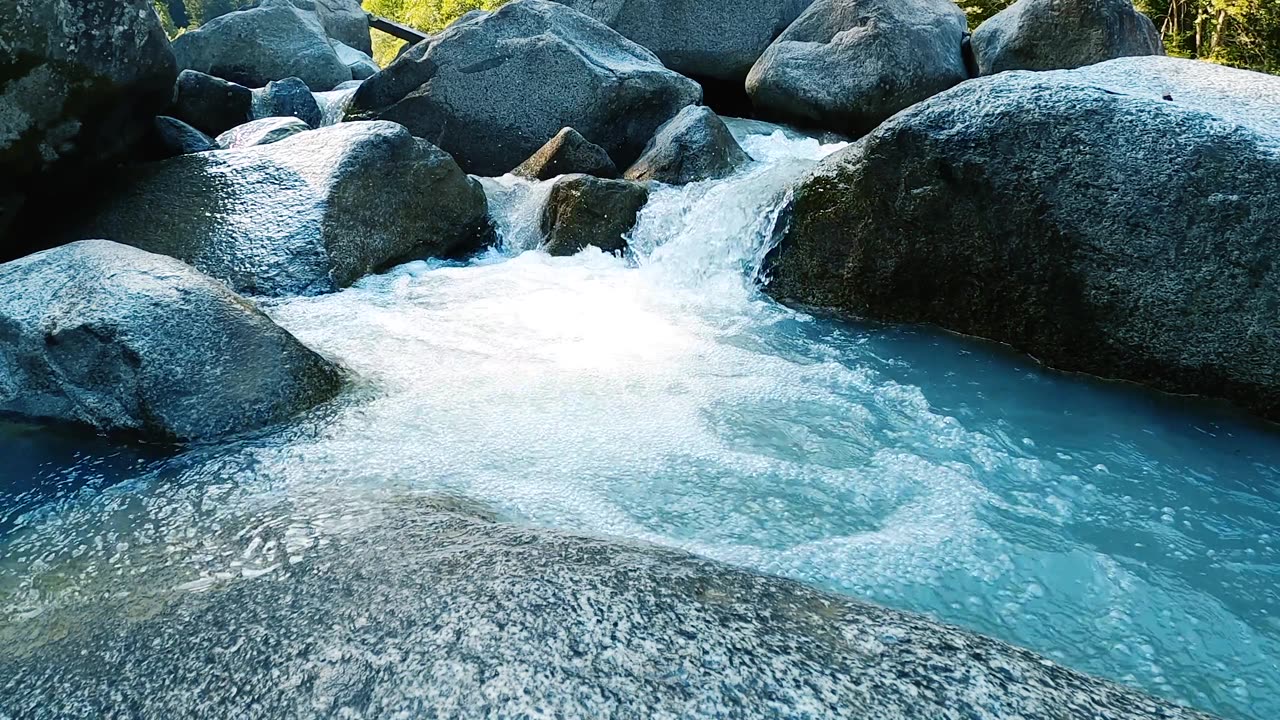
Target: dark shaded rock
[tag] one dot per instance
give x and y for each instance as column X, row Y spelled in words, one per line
column 1080, row 216
column 718, row 40
column 847, row 65
column 695, row 145
column 582, row 211
column 270, row 42
column 79, row 85
column 492, row 88
column 209, row 104
column 289, row 97
column 123, row 340
column 179, row 138
column 1062, row 34
column 593, row 628
column 565, row 154
column 261, row 132
column 361, row 65
column 309, row 214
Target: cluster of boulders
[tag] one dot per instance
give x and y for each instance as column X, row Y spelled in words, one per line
column 1112, row 219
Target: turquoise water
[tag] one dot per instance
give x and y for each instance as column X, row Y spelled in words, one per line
column 663, row 398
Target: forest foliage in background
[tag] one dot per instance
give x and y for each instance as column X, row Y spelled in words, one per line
column 1241, row 33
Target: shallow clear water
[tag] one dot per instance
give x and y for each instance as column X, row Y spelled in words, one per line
column 663, row 398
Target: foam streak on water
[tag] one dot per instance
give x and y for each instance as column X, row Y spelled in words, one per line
column 661, row 397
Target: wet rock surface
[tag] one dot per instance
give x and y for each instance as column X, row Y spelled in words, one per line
column 493, row 87
column 309, row 214
column 584, row 211
column 261, row 132
column 1119, row 219
column 419, row 609
column 109, row 336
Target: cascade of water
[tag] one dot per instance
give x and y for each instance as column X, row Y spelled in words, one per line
column 661, row 397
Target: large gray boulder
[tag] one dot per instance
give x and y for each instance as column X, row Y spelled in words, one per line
column 582, row 627
column 343, row 20
column 178, row 138
column 493, row 87
column 273, row 41
column 694, row 146
column 79, row 85
column 709, row 40
column 847, row 65
column 1121, row 219
column 309, row 214
column 1062, row 34
column 209, row 104
column 565, row 154
column 584, row 211
column 119, row 339
column 360, row 64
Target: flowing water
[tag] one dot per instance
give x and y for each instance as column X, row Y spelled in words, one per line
column 663, row 398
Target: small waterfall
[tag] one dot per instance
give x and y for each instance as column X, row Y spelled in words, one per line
column 333, row 104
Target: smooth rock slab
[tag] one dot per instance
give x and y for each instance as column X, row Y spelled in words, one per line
column 109, row 336
column 584, row 211
column 493, row 87
column 1121, row 219
column 309, row 214
column 847, row 65
column 429, row 613
column 695, row 145
column 1062, row 34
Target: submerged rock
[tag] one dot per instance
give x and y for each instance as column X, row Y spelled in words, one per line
column 261, row 132
column 287, row 98
column 1120, row 219
column 565, row 154
column 494, row 86
column 695, row 145
column 714, row 40
column 116, row 338
column 79, row 85
column 584, row 211
column 437, row 613
column 847, row 65
column 179, row 138
column 209, row 104
column 272, row 41
column 309, row 214
column 1063, row 34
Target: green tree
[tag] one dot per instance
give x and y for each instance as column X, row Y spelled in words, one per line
column 429, row 16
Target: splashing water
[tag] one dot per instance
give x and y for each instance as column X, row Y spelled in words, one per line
column 661, row 397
